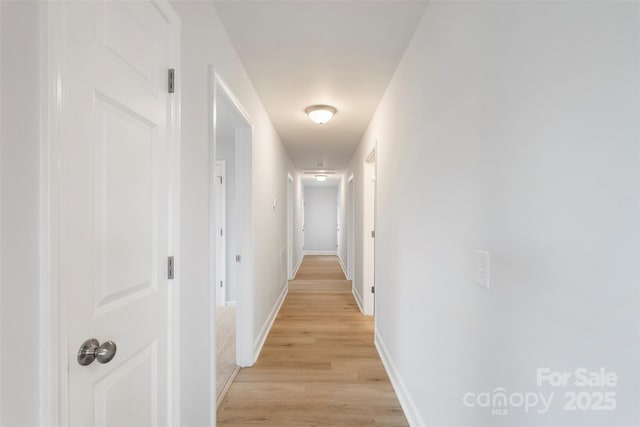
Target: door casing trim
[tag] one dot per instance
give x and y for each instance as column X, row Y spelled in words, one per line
column 218, row 90
column 222, row 164
column 369, row 173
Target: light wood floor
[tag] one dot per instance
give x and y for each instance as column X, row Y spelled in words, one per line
column 319, row 366
column 319, row 267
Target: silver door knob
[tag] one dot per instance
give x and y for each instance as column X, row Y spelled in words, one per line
column 91, row 350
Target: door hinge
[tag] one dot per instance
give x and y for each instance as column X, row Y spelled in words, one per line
column 221, row 231
column 238, row 258
column 220, row 283
column 172, row 78
column 373, row 234
column 170, row 268
column 373, row 289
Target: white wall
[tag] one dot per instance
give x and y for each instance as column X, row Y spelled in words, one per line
column 225, row 150
column 205, row 42
column 321, row 218
column 19, row 213
column 510, row 127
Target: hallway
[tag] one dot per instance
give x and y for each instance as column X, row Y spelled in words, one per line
column 319, row 365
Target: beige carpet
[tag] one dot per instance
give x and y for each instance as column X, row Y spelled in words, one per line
column 226, row 346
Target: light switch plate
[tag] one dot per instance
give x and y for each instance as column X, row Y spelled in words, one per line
column 482, row 269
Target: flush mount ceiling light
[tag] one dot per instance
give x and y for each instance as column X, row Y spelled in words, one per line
column 321, row 113
column 321, row 178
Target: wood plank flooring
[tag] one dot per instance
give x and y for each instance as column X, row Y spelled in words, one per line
column 319, row 366
column 320, row 267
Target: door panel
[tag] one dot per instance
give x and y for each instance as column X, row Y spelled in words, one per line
column 115, row 203
column 128, row 396
column 127, row 259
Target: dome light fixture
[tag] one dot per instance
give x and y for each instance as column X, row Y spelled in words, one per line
column 321, row 178
column 321, row 113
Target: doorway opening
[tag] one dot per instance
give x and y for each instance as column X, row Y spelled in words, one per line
column 230, row 236
column 369, row 224
column 338, row 234
column 290, row 227
column 350, row 200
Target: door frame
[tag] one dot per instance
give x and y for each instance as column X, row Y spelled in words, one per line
column 302, row 224
column 54, row 384
column 290, row 225
column 222, row 165
column 369, row 225
column 351, row 229
column 338, row 234
column 219, row 90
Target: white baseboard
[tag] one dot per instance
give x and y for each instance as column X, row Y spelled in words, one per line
column 320, row 253
column 298, row 264
column 264, row 332
column 407, row 403
column 357, row 296
column 344, row 270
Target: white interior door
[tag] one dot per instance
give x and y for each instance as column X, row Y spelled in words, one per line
column 303, row 224
column 221, row 232
column 351, row 228
column 338, row 249
column 372, row 247
column 290, row 228
column 114, row 221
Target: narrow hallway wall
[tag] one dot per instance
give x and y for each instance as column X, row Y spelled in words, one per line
column 204, row 43
column 20, row 186
column 512, row 128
